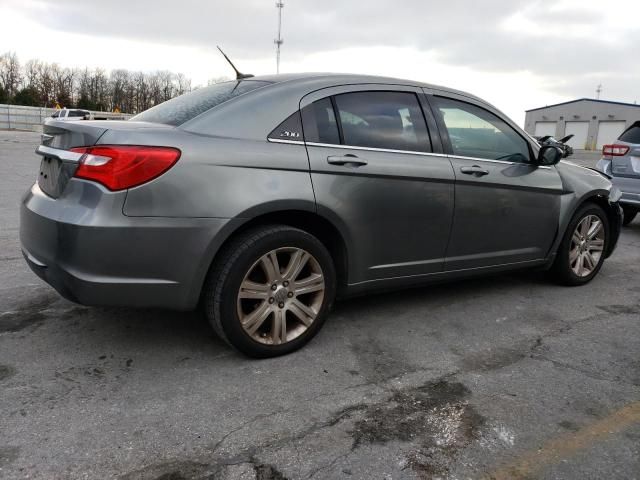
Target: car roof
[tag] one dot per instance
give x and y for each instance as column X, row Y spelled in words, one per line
column 280, row 96
column 330, row 79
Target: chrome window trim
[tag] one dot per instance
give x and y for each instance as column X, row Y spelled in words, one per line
column 371, row 149
column 477, row 159
column 410, row 152
column 462, row 157
column 291, row 142
column 63, row 155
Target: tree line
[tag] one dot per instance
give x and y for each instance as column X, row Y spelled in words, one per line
column 42, row 84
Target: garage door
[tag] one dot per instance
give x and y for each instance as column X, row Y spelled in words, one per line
column 580, row 130
column 608, row 132
column 545, row 128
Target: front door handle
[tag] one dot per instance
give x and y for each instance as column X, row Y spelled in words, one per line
column 349, row 160
column 475, row 170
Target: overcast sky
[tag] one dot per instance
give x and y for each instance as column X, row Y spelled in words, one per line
column 517, row 54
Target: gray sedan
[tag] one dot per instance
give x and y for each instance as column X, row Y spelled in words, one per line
column 263, row 199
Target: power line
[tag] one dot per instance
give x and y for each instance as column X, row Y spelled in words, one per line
column 279, row 41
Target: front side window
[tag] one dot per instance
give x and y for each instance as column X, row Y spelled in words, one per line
column 475, row 132
column 389, row 120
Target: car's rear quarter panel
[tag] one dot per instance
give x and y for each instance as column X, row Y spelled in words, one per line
column 222, row 178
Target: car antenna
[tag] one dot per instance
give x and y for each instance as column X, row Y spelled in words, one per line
column 239, row 75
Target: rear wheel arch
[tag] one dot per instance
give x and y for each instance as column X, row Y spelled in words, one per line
column 317, row 225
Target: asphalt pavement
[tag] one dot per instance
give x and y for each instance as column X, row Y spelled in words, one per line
column 507, row 377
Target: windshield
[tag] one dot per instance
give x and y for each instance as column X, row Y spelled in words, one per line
column 185, row 107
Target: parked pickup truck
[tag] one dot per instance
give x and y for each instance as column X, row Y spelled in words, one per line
column 67, row 114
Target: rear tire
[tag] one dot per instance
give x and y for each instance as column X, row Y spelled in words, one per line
column 629, row 214
column 582, row 250
column 270, row 290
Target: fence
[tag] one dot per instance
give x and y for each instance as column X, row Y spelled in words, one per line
column 17, row 117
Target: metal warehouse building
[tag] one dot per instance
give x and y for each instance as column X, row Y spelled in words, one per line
column 593, row 123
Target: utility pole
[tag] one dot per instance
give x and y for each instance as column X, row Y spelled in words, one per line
column 278, row 41
column 598, row 91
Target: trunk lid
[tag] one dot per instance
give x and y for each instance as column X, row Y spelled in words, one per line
column 58, row 164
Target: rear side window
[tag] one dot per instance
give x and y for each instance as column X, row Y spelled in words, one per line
column 76, row 113
column 320, row 125
column 631, row 134
column 188, row 106
column 475, row 132
column 389, row 120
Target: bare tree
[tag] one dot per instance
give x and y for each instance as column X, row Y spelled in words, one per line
column 183, row 84
column 47, row 84
column 10, row 73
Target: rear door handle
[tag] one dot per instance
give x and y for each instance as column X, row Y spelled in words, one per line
column 349, row 160
column 475, row 170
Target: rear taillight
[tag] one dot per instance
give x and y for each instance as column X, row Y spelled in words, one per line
column 615, row 150
column 119, row 167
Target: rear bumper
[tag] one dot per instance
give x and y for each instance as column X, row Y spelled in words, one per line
column 94, row 255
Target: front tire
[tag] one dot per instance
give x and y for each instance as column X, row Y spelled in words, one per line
column 582, row 250
column 270, row 291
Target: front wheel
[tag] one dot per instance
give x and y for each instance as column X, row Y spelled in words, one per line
column 582, row 250
column 270, row 291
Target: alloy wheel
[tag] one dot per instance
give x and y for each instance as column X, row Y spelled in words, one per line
column 587, row 245
column 280, row 296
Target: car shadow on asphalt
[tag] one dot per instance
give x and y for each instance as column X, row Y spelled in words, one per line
column 450, row 292
column 134, row 329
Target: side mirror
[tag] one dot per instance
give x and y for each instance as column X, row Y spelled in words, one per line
column 549, row 155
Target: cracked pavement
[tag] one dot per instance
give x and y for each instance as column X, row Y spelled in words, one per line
column 500, row 377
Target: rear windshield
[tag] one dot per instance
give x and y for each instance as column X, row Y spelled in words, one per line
column 631, row 134
column 185, row 107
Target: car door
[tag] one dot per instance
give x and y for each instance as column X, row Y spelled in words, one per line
column 506, row 207
column 373, row 173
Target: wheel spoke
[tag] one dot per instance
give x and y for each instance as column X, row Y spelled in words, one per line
column 584, row 226
column 590, row 263
column 576, row 238
column 312, row 283
column 256, row 318
column 298, row 260
column 596, row 245
column 304, row 313
column 577, row 268
column 595, row 229
column 279, row 327
column 271, row 267
column 258, row 291
column 573, row 255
